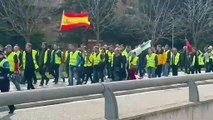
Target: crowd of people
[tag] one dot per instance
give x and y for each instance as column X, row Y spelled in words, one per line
column 80, row 64
column 115, row 62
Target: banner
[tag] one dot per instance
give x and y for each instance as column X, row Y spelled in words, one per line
column 141, row 48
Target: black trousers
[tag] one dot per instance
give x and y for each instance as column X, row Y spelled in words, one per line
column 174, row 70
column 42, row 71
column 196, row 69
column 97, row 73
column 34, row 78
column 159, row 70
column 88, row 74
column 109, row 70
column 55, row 72
column 209, row 67
column 28, row 74
column 5, row 87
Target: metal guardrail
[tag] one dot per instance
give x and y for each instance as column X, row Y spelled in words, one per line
column 107, row 89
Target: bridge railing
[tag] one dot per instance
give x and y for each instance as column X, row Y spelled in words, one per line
column 107, row 89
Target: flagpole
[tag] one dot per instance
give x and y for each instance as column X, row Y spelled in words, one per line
column 62, row 19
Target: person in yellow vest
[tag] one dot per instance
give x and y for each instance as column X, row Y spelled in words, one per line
column 151, row 62
column 14, row 66
column 209, row 59
column 133, row 64
column 82, row 51
column 4, row 79
column 197, row 62
column 75, row 61
column 160, row 56
column 109, row 62
column 18, row 52
column 56, row 60
column 44, row 63
column 30, row 64
column 166, row 62
column 98, row 59
column 66, row 60
column 175, row 60
column 118, row 65
column 88, row 69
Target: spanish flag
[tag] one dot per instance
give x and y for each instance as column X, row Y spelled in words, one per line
column 73, row 20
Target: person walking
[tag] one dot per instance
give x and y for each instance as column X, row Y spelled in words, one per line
column 18, row 52
column 133, row 64
column 118, row 65
column 75, row 61
column 160, row 56
column 4, row 79
column 44, row 62
column 142, row 64
column 151, row 62
column 56, row 60
column 110, row 53
column 197, row 62
column 98, row 59
column 30, row 64
column 209, row 60
column 88, row 69
column 166, row 62
column 14, row 66
column 175, row 60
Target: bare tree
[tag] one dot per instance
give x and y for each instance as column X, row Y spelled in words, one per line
column 196, row 18
column 24, row 16
column 153, row 19
column 102, row 14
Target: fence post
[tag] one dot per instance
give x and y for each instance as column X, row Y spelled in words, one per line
column 111, row 107
column 193, row 91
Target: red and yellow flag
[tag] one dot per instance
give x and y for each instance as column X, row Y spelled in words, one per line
column 73, row 20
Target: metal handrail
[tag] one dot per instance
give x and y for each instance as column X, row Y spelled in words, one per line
column 107, row 89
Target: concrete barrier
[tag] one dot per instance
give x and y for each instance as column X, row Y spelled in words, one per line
column 192, row 111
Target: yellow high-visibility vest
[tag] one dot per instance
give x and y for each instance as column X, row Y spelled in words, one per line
column 46, row 56
column 73, row 58
column 165, row 56
column 96, row 58
column 177, row 58
column 58, row 59
column 200, row 60
column 124, row 53
column 133, row 62
column 109, row 56
column 150, row 60
column 88, row 61
column 11, row 61
column 34, row 52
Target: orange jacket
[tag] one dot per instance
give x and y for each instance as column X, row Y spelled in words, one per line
column 161, row 59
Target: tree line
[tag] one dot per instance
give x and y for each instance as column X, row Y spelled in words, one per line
column 161, row 21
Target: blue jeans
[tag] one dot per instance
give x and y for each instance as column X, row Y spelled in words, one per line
column 166, row 68
column 74, row 74
column 151, row 72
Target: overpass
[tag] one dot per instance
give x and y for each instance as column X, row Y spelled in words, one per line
column 180, row 102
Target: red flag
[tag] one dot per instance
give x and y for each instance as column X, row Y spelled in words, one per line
column 189, row 47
